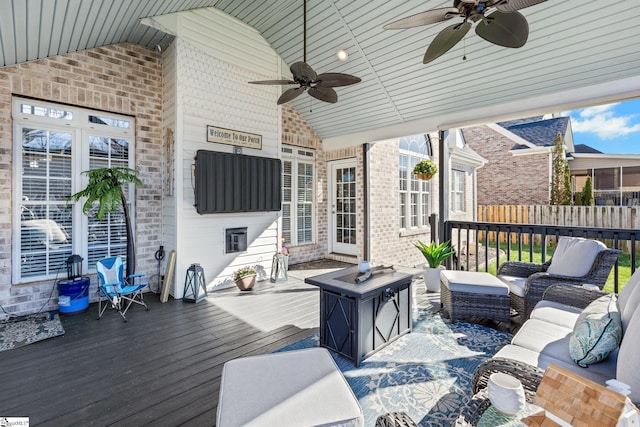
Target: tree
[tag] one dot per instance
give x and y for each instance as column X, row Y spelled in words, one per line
column 560, row 175
column 587, row 193
column 105, row 187
column 566, row 185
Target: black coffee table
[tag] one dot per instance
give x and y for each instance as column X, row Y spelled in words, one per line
column 359, row 318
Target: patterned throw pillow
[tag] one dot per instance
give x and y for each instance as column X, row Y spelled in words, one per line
column 597, row 332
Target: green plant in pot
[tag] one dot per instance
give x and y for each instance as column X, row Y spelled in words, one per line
column 105, row 187
column 245, row 277
column 425, row 169
column 435, row 255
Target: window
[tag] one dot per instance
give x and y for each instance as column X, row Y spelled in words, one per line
column 415, row 194
column 297, row 195
column 457, row 190
column 53, row 145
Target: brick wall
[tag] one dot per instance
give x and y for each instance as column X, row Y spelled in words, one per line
column 508, row 179
column 297, row 132
column 124, row 79
column 389, row 244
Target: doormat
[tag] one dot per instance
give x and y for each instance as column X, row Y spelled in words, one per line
column 28, row 329
column 426, row 374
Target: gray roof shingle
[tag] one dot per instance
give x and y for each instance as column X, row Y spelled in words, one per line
column 536, row 131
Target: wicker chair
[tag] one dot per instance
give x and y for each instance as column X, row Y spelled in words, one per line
column 538, row 279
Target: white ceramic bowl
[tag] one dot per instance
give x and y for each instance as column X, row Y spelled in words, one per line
column 506, row 393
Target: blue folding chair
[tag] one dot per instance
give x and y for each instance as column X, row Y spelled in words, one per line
column 116, row 288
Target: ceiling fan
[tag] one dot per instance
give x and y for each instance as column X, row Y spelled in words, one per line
column 320, row 86
column 499, row 22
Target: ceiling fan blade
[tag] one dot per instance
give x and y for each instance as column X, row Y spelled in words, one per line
column 302, row 72
column 424, row 18
column 445, row 40
column 336, row 79
column 504, row 29
column 513, row 5
column 325, row 94
column 290, row 94
column 274, row 82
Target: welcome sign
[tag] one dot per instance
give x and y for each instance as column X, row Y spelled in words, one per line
column 234, row 137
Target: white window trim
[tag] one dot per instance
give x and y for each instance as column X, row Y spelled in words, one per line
column 81, row 129
column 408, row 192
column 295, row 157
column 453, row 192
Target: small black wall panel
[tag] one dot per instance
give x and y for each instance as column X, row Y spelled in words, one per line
column 228, row 183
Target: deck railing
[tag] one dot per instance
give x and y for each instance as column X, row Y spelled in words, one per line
column 478, row 244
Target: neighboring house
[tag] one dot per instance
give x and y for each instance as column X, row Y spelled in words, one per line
column 615, row 177
column 519, row 152
column 519, row 168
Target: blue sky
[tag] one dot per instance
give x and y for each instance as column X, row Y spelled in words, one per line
column 610, row 128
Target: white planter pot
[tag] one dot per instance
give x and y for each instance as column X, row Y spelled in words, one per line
column 432, row 278
column 506, row 393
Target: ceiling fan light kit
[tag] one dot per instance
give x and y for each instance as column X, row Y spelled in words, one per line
column 498, row 22
column 319, row 86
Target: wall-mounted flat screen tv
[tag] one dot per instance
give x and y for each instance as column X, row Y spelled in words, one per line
column 228, row 183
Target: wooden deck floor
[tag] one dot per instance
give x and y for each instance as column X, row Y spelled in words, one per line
column 161, row 368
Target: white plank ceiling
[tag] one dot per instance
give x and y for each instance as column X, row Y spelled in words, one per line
column 579, row 52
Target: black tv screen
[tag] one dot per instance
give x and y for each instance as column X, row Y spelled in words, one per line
column 228, row 183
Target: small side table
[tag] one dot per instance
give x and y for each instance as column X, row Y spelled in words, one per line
column 279, row 267
column 479, row 412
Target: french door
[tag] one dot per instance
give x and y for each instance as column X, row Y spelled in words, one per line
column 342, row 204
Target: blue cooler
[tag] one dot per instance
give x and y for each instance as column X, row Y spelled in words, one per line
column 73, row 295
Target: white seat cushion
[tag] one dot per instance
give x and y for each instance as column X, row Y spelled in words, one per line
column 292, row 388
column 627, row 367
column 544, row 337
column 629, row 299
column 556, row 313
column 473, row 282
column 574, row 256
column 516, row 284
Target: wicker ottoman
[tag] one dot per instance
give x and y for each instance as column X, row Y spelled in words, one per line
column 292, row 388
column 471, row 294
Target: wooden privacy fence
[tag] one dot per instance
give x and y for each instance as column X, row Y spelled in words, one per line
column 624, row 217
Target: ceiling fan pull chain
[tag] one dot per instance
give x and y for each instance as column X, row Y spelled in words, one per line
column 464, row 48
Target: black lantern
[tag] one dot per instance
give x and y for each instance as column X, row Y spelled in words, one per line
column 195, row 289
column 74, row 267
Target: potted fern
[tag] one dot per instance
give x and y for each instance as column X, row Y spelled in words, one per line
column 425, row 169
column 435, row 255
column 105, row 187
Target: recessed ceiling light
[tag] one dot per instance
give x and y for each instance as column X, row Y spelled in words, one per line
column 342, row 55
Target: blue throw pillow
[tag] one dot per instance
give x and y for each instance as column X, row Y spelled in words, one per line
column 597, row 332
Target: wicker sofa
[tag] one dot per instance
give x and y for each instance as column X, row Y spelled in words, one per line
column 576, row 261
column 544, row 338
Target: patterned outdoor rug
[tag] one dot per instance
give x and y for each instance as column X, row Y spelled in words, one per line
column 29, row 329
column 426, row 373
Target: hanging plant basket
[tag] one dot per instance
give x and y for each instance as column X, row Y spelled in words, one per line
column 425, row 176
column 425, row 169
